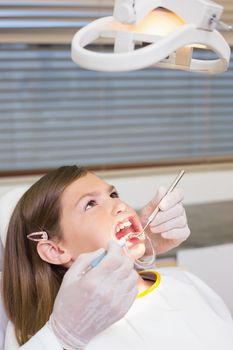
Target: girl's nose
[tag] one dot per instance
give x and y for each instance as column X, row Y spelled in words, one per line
column 119, row 207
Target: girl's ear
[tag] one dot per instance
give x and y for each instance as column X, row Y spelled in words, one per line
column 52, row 253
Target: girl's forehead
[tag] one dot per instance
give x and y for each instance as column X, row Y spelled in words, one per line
column 85, row 184
column 91, row 180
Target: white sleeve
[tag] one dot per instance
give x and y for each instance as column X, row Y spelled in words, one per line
column 44, row 339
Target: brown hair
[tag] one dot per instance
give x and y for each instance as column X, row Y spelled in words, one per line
column 30, row 285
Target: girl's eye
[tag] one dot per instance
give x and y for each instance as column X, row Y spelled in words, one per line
column 114, row 194
column 90, row 204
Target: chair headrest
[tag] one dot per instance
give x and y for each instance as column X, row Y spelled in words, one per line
column 8, row 202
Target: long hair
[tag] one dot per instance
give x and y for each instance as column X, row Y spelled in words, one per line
column 30, row 285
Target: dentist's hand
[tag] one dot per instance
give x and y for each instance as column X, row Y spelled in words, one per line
column 87, row 305
column 169, row 227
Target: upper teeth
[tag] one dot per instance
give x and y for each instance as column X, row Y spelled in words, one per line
column 122, row 225
column 127, row 224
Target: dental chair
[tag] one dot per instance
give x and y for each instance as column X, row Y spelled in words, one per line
column 213, row 265
column 8, row 201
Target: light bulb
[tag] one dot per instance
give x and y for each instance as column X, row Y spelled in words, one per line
column 159, row 22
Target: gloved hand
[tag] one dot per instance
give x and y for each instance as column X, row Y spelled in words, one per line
column 169, row 227
column 87, row 305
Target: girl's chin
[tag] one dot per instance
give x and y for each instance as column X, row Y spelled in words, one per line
column 135, row 248
column 136, row 251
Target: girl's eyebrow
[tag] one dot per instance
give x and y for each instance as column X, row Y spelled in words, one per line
column 95, row 193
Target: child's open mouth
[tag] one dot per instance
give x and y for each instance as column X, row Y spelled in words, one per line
column 127, row 227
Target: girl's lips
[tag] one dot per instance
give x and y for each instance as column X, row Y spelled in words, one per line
column 134, row 228
column 135, row 240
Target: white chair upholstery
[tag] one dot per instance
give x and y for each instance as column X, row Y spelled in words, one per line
column 8, row 202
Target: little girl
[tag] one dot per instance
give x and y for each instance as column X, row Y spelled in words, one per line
column 71, row 211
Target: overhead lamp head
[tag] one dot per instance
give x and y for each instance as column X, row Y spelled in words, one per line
column 161, row 33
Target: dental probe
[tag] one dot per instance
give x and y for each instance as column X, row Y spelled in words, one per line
column 123, row 240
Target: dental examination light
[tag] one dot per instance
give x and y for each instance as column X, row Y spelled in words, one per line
column 160, row 33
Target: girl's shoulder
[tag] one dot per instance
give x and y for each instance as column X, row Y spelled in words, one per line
column 10, row 338
column 44, row 339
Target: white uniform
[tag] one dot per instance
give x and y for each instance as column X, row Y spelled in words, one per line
column 178, row 312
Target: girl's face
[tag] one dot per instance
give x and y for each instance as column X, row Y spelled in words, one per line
column 92, row 214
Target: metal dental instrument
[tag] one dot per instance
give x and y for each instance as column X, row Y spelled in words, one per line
column 122, row 241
